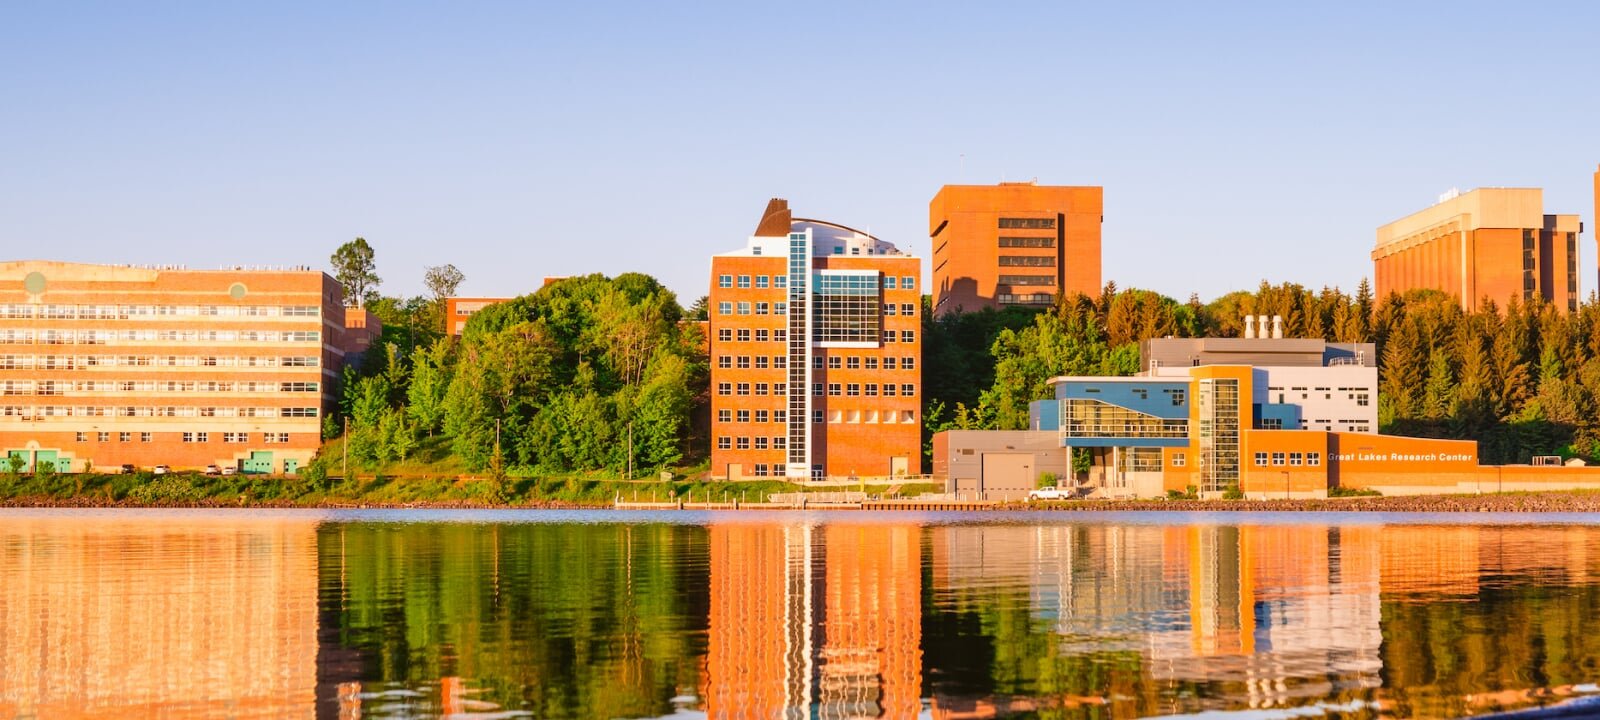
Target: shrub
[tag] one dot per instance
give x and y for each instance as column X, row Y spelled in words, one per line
column 167, row 489
column 1190, row 493
column 1353, row 492
column 1233, row 493
column 1047, row 479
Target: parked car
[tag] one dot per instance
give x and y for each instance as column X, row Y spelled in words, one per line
column 160, row 470
column 128, row 469
column 230, row 470
column 213, row 470
column 1051, row 493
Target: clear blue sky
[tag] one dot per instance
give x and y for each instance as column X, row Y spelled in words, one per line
column 1236, row 143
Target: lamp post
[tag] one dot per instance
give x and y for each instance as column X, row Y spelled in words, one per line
column 1286, row 484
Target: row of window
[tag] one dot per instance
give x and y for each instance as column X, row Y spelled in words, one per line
column 725, row 442
column 202, row 436
column 1028, row 299
column 1027, row 279
column 834, row 362
column 906, row 309
column 762, row 282
column 860, row 389
column 743, row 334
column 62, row 387
column 838, row 417
column 1293, row 459
column 27, row 412
column 74, row 362
column 268, row 438
column 745, row 307
column 1027, row 242
column 128, row 312
column 1027, row 223
column 759, row 388
column 1027, row 261
column 760, row 416
column 12, row 336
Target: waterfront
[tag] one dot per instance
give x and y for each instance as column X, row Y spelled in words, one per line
column 378, row 614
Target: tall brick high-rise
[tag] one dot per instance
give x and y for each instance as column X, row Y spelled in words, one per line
column 1490, row 243
column 816, row 354
column 1013, row 244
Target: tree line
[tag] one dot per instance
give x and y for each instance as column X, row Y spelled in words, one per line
column 603, row 374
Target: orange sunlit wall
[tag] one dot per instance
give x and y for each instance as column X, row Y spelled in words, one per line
column 1490, row 243
column 1013, row 244
column 873, row 651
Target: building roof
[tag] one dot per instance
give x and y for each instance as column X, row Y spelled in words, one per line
column 1493, row 207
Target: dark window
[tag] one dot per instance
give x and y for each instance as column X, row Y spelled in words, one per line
column 1028, row 242
column 1028, row 223
column 1027, row 280
column 1027, row 261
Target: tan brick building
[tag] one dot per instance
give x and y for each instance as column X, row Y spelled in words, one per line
column 816, row 354
column 1490, row 243
column 1013, row 244
column 103, row 365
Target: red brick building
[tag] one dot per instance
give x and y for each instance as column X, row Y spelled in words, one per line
column 458, row 310
column 1017, row 243
column 816, row 354
column 107, row 365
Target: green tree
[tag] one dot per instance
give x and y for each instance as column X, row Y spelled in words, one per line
column 430, row 384
column 355, row 267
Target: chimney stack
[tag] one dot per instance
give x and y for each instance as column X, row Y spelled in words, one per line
column 1277, row 327
column 1249, row 326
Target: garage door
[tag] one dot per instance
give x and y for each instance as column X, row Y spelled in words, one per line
column 1007, row 476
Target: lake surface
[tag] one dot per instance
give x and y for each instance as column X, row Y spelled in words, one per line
column 254, row 614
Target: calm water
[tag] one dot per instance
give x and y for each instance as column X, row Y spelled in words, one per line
column 173, row 614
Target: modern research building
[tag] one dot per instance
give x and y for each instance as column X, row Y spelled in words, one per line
column 1270, row 416
column 816, row 354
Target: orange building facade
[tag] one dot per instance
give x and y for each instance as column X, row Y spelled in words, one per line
column 1493, row 244
column 102, row 366
column 816, row 354
column 1013, row 244
column 458, row 310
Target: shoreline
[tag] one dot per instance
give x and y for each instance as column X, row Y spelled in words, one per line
column 1511, row 502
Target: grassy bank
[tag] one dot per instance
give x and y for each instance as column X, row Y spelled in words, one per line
column 190, row 490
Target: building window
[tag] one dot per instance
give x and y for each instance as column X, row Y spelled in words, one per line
column 761, row 335
column 124, row 437
column 833, row 389
column 889, row 282
column 833, row 362
column 761, row 469
column 744, row 416
column 780, row 442
column 724, row 308
column 724, row 362
column 1027, row 242
column 1178, row 459
column 872, row 363
column 102, row 437
column 724, row 416
column 743, row 388
column 724, row 388
column 1277, row 458
column 761, row 442
column 744, row 362
column 908, row 390
column 908, row 283
column 889, row 336
column 761, row 416
column 908, row 363
column 816, row 362
column 1027, row 261
column 744, row 334
column 742, row 443
column 725, row 281
column 1261, row 459
column 725, row 334
column 761, row 282
column 780, row 308
column 1314, row 459
column 853, row 389
column 908, row 336
column 816, row 417
column 847, row 307
column 84, row 437
column 744, row 307
column 816, row 389
column 744, row 281
column 724, row 443
column 1027, row 223
column 1027, row 279
column 761, row 362
column 761, row 308
column 888, row 389
column 888, row 363
column 908, row 309
column 144, row 437
column 1295, row 459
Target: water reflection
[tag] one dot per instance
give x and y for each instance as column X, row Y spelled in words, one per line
column 193, row 615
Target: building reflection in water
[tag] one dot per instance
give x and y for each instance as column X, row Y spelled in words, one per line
column 811, row 621
column 182, row 617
